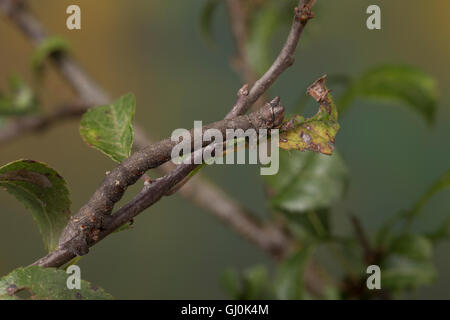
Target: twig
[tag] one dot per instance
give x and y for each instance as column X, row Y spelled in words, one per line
column 91, row 217
column 206, row 195
column 93, row 222
column 236, row 216
column 369, row 253
column 238, row 22
column 39, row 123
column 284, row 60
column 199, row 190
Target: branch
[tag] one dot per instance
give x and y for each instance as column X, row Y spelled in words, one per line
column 86, row 88
column 93, row 222
column 84, row 226
column 27, row 124
column 370, row 255
column 148, row 196
column 284, row 60
column 204, row 194
column 238, row 22
column 223, row 206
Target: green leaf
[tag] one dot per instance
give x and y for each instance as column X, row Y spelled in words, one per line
column 395, row 83
column 316, row 133
column 48, row 47
column 307, row 181
column 20, row 99
column 332, row 292
column 110, row 128
column 231, row 283
column 412, row 246
column 46, row 284
column 206, row 19
column 252, row 284
column 408, row 264
column 257, row 283
column 289, row 283
column 401, row 273
column 309, row 226
column 44, row 192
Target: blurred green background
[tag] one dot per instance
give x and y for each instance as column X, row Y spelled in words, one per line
column 155, row 50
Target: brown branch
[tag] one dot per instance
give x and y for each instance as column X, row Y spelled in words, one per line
column 38, row 123
column 228, row 209
column 86, row 88
column 370, row 255
column 148, row 196
column 266, row 236
column 92, row 216
column 284, row 60
column 93, row 222
column 239, row 28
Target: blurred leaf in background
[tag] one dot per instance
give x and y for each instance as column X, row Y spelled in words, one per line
column 289, row 283
column 50, row 46
column 307, row 181
column 409, row 263
column 264, row 23
column 206, row 20
column 20, row 99
column 395, row 83
column 251, row 284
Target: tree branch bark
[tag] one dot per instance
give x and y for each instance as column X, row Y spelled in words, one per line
column 239, row 28
column 266, row 235
column 86, row 223
column 93, row 222
column 234, row 213
column 28, row 124
column 283, row 61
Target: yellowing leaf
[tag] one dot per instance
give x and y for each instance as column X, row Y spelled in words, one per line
column 316, row 133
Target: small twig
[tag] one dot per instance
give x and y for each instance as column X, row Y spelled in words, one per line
column 239, row 27
column 199, row 190
column 93, row 222
column 267, row 236
column 91, row 217
column 369, row 252
column 38, row 123
column 284, row 60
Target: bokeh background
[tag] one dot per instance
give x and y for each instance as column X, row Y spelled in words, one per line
column 155, row 50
